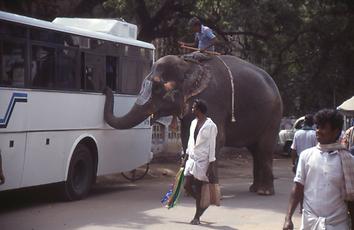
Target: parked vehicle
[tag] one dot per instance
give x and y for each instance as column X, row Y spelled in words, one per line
column 286, row 136
column 52, row 75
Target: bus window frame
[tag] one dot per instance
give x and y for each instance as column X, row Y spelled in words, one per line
column 23, row 42
column 101, row 76
column 29, row 43
column 55, row 47
column 139, row 59
column 117, row 75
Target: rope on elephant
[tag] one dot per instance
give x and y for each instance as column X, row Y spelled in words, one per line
column 232, row 90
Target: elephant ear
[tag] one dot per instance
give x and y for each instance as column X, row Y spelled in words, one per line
column 196, row 79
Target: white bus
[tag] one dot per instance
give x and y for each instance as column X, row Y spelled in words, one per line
column 52, row 75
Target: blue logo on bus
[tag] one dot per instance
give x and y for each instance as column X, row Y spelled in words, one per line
column 16, row 97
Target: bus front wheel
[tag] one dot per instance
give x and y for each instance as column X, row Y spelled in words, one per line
column 80, row 175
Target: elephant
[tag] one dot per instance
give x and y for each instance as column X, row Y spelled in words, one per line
column 231, row 87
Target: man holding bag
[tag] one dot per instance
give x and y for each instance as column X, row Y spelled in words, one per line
column 200, row 156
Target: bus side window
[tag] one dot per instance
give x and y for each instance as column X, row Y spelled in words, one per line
column 92, row 68
column 66, row 71
column 136, row 65
column 12, row 29
column 12, row 71
column 43, row 66
column 130, row 76
column 111, row 72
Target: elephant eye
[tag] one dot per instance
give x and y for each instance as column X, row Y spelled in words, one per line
column 158, row 87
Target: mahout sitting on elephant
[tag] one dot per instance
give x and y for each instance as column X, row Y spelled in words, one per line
column 250, row 97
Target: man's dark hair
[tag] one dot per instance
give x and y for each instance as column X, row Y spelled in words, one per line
column 330, row 116
column 194, row 21
column 308, row 120
column 201, row 106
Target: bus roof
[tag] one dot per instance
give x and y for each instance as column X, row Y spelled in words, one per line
column 72, row 30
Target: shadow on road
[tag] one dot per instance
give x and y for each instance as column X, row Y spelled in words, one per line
column 116, row 204
column 209, row 225
column 40, row 208
column 16, row 200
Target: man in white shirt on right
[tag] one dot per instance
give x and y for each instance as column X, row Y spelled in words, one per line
column 321, row 177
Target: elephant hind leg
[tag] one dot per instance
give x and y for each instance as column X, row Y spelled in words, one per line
column 262, row 169
column 262, row 152
column 256, row 176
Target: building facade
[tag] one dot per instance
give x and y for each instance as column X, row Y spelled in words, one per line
column 164, row 139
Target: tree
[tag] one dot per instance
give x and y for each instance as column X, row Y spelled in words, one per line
column 306, row 46
column 156, row 19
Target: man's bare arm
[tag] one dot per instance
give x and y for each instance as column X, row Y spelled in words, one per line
column 293, row 156
column 296, row 196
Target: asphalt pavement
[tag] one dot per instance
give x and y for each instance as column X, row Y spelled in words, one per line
column 115, row 203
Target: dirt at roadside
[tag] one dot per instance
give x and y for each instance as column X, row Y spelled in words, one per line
column 232, row 163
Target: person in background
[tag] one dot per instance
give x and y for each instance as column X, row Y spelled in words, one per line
column 348, row 139
column 200, row 155
column 348, row 142
column 321, row 177
column 204, row 38
column 304, row 138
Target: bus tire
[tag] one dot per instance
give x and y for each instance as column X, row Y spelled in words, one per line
column 80, row 174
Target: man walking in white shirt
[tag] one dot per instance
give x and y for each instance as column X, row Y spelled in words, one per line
column 321, row 178
column 200, row 154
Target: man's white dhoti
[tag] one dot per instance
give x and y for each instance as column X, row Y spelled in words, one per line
column 202, row 151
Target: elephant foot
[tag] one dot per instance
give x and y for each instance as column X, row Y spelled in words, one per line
column 253, row 188
column 265, row 192
column 261, row 190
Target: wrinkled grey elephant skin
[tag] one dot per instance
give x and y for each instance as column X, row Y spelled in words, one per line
column 174, row 84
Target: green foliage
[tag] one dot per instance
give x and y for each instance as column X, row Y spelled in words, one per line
column 306, row 46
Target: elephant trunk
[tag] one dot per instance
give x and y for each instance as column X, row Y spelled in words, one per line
column 135, row 116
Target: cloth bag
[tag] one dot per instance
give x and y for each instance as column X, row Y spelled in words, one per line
column 215, row 194
column 210, row 195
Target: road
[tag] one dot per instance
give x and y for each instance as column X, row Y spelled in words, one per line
column 116, row 204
